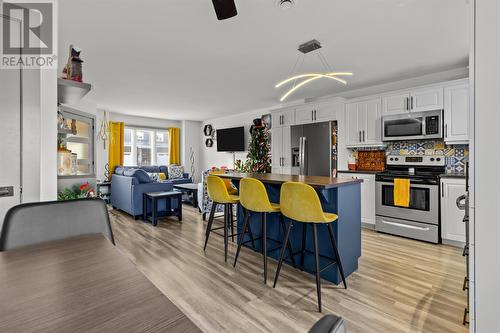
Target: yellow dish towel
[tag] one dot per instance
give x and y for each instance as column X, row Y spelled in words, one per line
column 401, row 192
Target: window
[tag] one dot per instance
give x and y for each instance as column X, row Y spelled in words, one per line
column 145, row 146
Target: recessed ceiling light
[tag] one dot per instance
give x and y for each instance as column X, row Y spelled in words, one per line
column 285, row 4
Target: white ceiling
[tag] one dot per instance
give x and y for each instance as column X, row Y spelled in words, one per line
column 173, row 59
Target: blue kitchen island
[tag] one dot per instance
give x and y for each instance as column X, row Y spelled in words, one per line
column 337, row 195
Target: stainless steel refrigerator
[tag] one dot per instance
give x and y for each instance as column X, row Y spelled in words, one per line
column 315, row 148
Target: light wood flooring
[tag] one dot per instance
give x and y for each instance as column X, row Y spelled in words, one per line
column 401, row 285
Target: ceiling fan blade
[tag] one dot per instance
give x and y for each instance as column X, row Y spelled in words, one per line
column 225, row 9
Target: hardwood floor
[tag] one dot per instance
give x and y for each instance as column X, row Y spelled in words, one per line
column 401, row 285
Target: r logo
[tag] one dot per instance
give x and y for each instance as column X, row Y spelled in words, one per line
column 30, row 30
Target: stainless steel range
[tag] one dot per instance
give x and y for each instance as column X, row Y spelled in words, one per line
column 420, row 220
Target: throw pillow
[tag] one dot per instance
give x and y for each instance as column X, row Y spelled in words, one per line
column 175, row 172
column 154, row 176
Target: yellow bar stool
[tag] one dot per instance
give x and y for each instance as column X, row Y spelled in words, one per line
column 254, row 199
column 299, row 202
column 230, row 190
column 218, row 193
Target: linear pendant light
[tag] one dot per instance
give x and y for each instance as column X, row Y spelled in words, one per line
column 305, row 48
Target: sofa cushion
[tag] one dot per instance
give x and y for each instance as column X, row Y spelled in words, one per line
column 175, row 171
column 141, row 175
column 151, row 168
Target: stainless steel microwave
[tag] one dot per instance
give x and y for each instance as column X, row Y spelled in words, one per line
column 413, row 126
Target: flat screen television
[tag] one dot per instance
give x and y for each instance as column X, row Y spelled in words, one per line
column 231, row 139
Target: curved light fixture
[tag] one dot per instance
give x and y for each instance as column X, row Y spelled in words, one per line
column 306, row 48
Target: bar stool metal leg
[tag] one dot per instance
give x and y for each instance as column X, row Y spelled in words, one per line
column 302, row 256
column 209, row 224
column 240, row 242
column 337, row 256
column 282, row 255
column 264, row 244
column 231, row 217
column 226, row 225
column 289, row 246
column 316, row 257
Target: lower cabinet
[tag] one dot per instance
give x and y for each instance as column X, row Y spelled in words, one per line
column 367, row 195
column 452, row 225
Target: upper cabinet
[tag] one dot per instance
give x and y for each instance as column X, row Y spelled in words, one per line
column 456, row 113
column 315, row 113
column 394, row 104
column 285, row 117
column 413, row 101
column 363, row 123
column 426, row 99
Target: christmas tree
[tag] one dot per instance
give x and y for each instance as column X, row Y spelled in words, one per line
column 258, row 159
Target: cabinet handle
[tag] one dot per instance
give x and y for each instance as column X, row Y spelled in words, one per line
column 312, row 115
column 363, row 135
column 315, row 116
column 359, row 136
column 442, row 190
column 406, row 104
column 411, row 103
column 445, row 130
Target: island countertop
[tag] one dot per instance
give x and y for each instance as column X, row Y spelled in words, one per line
column 274, row 178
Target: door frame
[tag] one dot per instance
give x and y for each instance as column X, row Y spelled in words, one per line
column 21, row 108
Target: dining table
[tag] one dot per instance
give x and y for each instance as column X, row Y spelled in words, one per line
column 81, row 284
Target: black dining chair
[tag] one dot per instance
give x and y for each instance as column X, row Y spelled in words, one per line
column 329, row 324
column 34, row 223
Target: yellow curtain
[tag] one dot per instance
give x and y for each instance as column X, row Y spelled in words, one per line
column 116, row 145
column 173, row 134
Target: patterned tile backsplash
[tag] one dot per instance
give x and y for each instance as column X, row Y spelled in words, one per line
column 456, row 156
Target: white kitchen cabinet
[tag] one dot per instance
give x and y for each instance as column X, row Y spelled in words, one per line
column 452, row 225
column 456, row 114
column 367, row 195
column 304, row 114
column 315, row 113
column 394, row 104
column 426, row 99
column 423, row 99
column 285, row 117
column 363, row 123
column 281, row 150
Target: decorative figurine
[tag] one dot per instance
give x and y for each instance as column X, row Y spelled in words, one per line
column 73, row 68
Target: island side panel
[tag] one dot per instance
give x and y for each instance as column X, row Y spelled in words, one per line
column 348, row 226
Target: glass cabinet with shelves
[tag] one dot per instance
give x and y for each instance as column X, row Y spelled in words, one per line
column 75, row 146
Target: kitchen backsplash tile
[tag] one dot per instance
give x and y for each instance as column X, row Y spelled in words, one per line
column 456, row 156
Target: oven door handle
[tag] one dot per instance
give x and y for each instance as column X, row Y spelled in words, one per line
column 406, row 226
column 390, row 181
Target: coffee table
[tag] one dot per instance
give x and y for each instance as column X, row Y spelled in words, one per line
column 189, row 189
column 154, row 197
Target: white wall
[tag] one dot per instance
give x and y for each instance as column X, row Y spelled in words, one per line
column 485, row 161
column 191, row 143
column 209, row 156
column 48, row 135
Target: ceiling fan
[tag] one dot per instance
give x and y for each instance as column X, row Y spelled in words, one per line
column 225, row 9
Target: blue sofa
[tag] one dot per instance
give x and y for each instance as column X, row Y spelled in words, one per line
column 129, row 185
